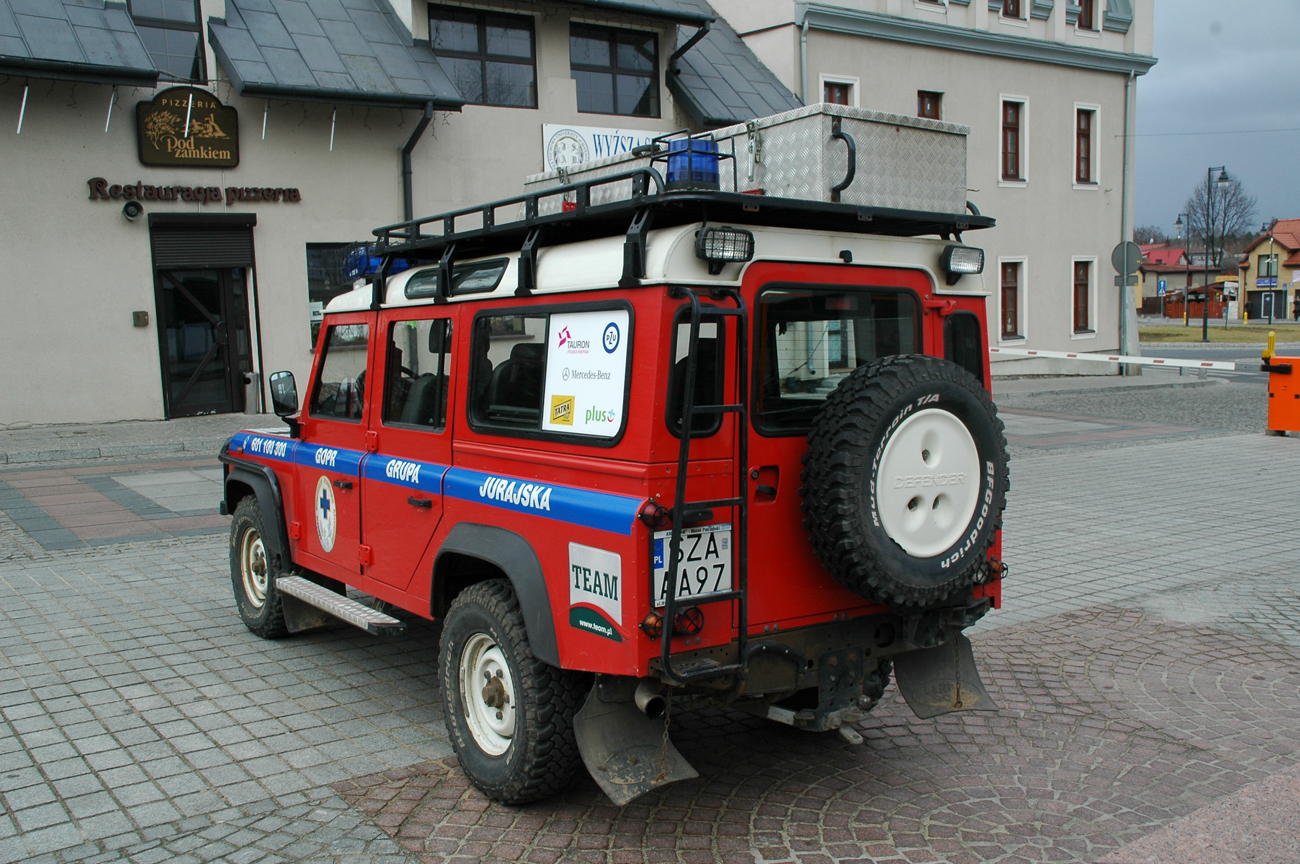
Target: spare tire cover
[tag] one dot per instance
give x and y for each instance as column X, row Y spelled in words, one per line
column 905, row 480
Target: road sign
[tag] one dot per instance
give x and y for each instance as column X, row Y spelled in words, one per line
column 1160, row 288
column 1126, row 258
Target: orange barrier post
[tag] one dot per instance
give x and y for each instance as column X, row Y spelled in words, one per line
column 1283, row 390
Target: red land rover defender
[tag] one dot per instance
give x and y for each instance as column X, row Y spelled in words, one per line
column 683, row 441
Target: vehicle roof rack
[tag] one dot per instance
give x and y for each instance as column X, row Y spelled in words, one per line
column 574, row 212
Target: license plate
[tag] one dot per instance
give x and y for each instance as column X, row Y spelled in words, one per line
column 704, row 565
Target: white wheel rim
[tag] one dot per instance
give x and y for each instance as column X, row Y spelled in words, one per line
column 253, row 568
column 488, row 694
column 928, row 482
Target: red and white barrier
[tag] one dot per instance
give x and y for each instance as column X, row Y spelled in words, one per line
column 1118, row 358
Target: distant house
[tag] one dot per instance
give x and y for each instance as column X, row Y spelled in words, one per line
column 1270, row 269
column 1180, row 270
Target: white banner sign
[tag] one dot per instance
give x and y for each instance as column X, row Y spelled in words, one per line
column 570, row 146
column 586, row 372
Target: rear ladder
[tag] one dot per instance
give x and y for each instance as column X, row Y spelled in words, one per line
column 696, row 511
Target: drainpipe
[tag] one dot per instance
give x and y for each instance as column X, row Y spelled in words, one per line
column 803, row 61
column 688, row 45
column 1125, row 295
column 408, row 207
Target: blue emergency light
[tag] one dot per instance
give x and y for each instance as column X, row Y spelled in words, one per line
column 692, row 164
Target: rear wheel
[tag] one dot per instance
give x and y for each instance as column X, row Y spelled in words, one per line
column 251, row 573
column 510, row 715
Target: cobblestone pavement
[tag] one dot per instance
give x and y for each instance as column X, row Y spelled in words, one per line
column 1147, row 664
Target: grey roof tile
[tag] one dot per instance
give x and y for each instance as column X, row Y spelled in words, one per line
column 319, row 54
column 268, row 30
column 111, row 47
column 12, row 46
column 328, row 10
column 299, row 18
column 51, row 37
column 332, row 50
column 39, row 8
column 9, row 27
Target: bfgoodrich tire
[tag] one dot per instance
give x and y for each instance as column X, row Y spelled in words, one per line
column 251, row 573
column 509, row 714
column 905, row 480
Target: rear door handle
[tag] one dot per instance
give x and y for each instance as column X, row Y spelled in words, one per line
column 343, row 484
column 426, row 503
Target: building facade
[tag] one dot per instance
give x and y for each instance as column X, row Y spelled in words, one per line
column 1047, row 88
column 1270, row 272
column 185, row 179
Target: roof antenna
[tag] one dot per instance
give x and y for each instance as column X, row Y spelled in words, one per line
column 22, row 112
column 111, row 100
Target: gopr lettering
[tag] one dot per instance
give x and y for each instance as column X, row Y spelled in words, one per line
column 532, row 495
column 326, row 456
column 406, row 472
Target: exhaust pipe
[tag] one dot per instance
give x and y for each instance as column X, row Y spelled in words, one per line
column 651, row 702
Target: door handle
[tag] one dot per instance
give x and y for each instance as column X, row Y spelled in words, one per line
column 764, row 489
column 426, row 503
column 342, row 484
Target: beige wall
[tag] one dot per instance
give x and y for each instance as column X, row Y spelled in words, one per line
column 75, row 269
column 1047, row 220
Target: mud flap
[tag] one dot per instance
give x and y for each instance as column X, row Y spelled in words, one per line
column 624, row 750
column 941, row 680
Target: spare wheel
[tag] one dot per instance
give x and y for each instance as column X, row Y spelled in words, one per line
column 905, row 480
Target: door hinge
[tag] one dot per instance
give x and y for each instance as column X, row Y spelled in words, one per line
column 366, row 556
column 372, row 442
column 295, row 530
column 943, row 307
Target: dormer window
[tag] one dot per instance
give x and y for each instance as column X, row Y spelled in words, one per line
column 170, row 31
column 1087, row 15
column 1011, row 9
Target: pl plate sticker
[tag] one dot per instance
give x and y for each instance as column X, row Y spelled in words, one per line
column 327, row 518
column 595, row 580
column 586, row 373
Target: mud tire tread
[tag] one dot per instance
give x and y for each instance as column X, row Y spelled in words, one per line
column 549, row 761
column 839, row 455
column 270, row 623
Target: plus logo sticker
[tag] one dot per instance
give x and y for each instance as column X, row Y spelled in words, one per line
column 326, row 514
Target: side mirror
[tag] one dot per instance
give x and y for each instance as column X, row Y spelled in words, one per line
column 284, row 394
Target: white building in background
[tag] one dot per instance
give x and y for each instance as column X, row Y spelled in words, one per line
column 1047, row 88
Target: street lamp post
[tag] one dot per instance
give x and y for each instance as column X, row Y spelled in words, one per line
column 1187, row 256
column 1223, row 183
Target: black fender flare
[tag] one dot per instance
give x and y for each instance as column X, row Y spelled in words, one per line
column 514, row 556
column 266, row 486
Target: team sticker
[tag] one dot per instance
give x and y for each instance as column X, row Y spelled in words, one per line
column 327, row 517
column 595, row 587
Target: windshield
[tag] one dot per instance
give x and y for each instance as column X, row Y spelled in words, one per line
column 810, row 339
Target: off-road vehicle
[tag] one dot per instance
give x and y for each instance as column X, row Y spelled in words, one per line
column 646, row 433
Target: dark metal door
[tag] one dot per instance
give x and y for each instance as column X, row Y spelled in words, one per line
column 203, row 329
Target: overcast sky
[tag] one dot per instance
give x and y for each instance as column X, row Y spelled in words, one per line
column 1224, row 65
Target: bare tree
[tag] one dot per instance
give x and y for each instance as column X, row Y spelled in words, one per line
column 1230, row 212
column 1144, row 234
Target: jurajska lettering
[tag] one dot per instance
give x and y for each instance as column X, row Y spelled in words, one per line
column 101, row 189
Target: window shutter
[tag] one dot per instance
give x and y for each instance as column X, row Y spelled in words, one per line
column 226, row 247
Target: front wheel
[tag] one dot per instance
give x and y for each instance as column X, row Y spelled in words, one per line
column 510, row 715
column 252, row 574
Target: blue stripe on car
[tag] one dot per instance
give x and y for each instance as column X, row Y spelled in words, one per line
column 604, row 511
column 265, row 446
column 407, row 473
column 338, row 459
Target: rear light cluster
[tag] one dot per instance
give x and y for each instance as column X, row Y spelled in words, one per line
column 687, row 622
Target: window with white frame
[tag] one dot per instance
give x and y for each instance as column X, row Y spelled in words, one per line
column 840, row 90
column 1011, row 276
column 1083, row 306
column 1012, row 9
column 1013, row 116
column 1085, row 145
column 1087, row 15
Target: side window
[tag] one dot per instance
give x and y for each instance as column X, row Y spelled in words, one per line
column 419, row 357
column 963, row 345
column 709, row 371
column 507, row 369
column 341, row 388
column 557, row 373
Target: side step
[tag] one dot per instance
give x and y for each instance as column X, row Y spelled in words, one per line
column 341, row 607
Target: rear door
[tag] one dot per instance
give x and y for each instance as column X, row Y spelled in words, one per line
column 401, row 483
column 808, row 335
column 333, row 445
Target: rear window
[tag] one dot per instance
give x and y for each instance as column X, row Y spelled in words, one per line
column 810, row 339
column 709, row 370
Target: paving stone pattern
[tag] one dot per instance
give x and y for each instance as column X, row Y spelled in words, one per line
column 1146, row 664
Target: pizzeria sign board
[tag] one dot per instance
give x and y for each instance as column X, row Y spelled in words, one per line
column 185, row 127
